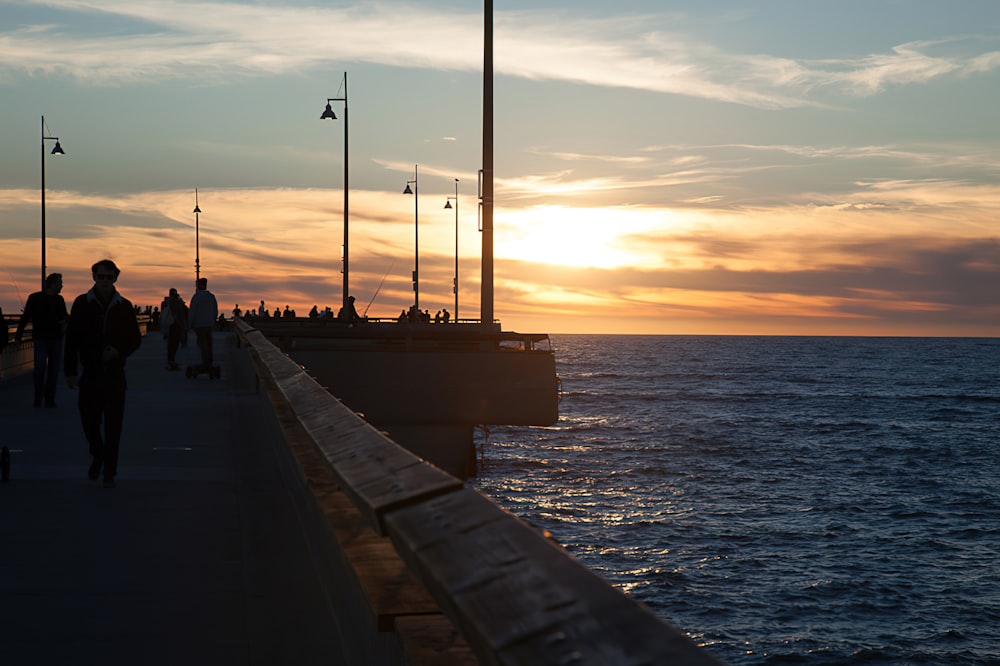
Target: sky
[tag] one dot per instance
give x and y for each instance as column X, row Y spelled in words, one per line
column 789, row 167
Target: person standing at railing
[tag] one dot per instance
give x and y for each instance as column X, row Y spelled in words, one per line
column 102, row 333
column 46, row 310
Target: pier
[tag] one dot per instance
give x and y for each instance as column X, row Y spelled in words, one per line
column 257, row 520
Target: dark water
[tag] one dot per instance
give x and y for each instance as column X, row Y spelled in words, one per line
column 781, row 500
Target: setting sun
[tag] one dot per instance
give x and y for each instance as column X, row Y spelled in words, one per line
column 575, row 237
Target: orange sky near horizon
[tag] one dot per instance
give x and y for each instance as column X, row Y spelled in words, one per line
column 639, row 270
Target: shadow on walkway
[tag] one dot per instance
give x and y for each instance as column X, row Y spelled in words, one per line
column 196, row 557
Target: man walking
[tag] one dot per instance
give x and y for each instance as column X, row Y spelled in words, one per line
column 102, row 333
column 202, row 313
column 46, row 310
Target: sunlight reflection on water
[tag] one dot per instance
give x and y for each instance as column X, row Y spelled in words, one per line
column 807, row 499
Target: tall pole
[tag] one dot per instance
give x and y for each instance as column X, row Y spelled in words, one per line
column 57, row 150
column 454, row 281
column 347, row 170
column 43, row 202
column 329, row 114
column 486, row 294
column 416, row 238
column 455, row 284
column 197, row 239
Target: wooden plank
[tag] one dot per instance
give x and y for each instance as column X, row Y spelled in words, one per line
column 431, row 640
column 391, row 589
column 519, row 598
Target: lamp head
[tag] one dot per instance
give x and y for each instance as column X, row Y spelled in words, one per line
column 407, row 190
column 328, row 114
column 447, row 204
column 197, row 209
column 57, row 150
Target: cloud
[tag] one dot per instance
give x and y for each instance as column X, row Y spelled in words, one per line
column 214, row 41
column 817, row 263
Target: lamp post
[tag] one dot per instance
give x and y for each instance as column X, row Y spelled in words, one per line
column 455, row 279
column 57, row 150
column 486, row 287
column 328, row 114
column 416, row 235
column 197, row 241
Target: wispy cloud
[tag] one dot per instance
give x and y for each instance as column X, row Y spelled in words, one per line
column 213, row 41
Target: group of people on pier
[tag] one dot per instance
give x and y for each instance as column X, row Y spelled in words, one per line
column 90, row 343
column 177, row 318
column 416, row 316
column 350, row 313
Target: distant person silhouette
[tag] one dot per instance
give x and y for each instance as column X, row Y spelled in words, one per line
column 46, row 310
column 202, row 314
column 350, row 313
column 101, row 335
column 174, row 325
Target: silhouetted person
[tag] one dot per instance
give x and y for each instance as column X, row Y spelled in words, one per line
column 101, row 335
column 46, row 310
column 314, row 313
column 445, row 315
column 202, row 314
column 174, row 326
column 350, row 313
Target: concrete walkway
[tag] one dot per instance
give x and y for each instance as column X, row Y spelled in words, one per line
column 196, row 557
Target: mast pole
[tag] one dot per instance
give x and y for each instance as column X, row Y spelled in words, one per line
column 486, row 295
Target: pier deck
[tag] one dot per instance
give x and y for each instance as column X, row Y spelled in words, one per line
column 196, row 557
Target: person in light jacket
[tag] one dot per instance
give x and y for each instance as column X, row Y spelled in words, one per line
column 202, row 313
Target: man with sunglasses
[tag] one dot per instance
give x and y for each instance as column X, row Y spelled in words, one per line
column 102, row 333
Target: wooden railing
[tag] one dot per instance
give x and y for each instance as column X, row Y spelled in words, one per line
column 514, row 595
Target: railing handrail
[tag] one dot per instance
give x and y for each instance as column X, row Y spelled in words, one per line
column 514, row 595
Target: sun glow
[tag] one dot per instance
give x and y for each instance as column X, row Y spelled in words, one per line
column 582, row 238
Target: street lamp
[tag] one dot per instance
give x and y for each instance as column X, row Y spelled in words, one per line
column 197, row 242
column 454, row 287
column 416, row 236
column 57, row 150
column 328, row 114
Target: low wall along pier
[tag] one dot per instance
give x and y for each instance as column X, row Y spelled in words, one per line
column 445, row 572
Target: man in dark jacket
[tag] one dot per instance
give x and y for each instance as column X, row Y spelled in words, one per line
column 46, row 310
column 102, row 333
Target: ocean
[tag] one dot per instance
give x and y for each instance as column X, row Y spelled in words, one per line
column 781, row 500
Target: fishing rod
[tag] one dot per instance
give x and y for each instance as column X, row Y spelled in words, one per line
column 17, row 290
column 365, row 314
